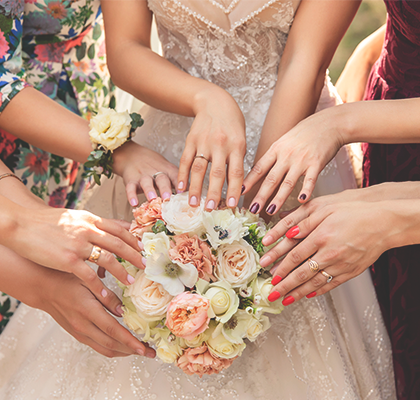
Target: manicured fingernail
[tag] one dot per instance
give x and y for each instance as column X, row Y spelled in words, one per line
column 193, row 201
column 211, row 204
column 232, row 202
column 119, row 310
column 267, row 240
column 276, row 280
column 151, row 195
column 140, row 352
column 180, row 185
column 143, row 260
column 134, row 202
column 243, row 189
column 313, row 294
column 265, row 260
column 150, row 353
column 292, row 232
column 104, row 293
column 288, row 300
column 130, row 279
column 302, row 196
column 141, row 245
column 273, row 296
column 254, row 208
column 271, row 209
column 166, row 195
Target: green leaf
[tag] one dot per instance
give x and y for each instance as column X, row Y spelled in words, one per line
column 6, row 23
column 112, row 102
column 159, row 226
column 79, row 85
column 97, row 32
column 97, row 178
column 81, row 51
column 91, row 51
column 136, row 120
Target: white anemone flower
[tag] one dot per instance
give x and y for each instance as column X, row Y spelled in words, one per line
column 172, row 275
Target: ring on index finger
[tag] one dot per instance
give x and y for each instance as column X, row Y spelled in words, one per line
column 313, row 265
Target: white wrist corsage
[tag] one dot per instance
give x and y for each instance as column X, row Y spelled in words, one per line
column 109, row 130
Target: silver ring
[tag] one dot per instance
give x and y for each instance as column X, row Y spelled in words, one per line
column 94, row 254
column 157, row 173
column 327, row 275
column 202, row 156
column 313, row 265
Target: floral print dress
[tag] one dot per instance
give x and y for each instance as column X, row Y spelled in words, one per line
column 57, row 47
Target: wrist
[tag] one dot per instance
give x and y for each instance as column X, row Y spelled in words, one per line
column 208, row 95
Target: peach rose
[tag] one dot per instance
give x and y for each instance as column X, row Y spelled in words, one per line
column 187, row 315
column 200, row 361
column 193, row 250
column 146, row 216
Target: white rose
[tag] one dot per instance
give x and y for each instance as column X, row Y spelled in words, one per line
column 237, row 263
column 153, row 242
column 261, row 288
column 223, row 300
column 136, row 323
column 219, row 346
column 249, row 217
column 110, row 128
column 168, row 352
column 181, row 218
column 198, row 340
column 150, row 298
column 223, row 227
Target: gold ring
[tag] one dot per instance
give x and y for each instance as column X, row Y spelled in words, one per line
column 313, row 265
column 156, row 174
column 202, row 156
column 327, row 275
column 94, row 255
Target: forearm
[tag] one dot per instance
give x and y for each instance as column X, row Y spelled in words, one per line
column 47, row 125
column 381, row 121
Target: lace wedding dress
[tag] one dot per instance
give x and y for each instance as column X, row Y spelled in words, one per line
column 331, row 347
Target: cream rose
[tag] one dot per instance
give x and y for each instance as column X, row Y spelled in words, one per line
column 109, row 128
column 167, row 351
column 136, row 323
column 155, row 242
column 237, row 263
column 150, row 298
column 181, row 218
column 261, row 288
column 221, row 347
column 223, row 300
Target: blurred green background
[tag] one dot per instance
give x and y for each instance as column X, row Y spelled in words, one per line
column 371, row 15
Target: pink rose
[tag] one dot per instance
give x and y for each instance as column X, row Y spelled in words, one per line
column 187, row 315
column 200, row 361
column 146, row 216
column 193, row 250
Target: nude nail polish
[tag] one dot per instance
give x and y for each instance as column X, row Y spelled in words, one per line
column 211, row 204
column 265, row 260
column 104, row 293
column 133, row 202
column 232, row 202
column 193, row 201
column 130, row 279
column 151, row 196
column 273, row 296
column 288, row 300
column 119, row 311
column 292, row 232
column 180, row 185
column 276, row 280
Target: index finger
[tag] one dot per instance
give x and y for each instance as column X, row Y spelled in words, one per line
column 259, row 170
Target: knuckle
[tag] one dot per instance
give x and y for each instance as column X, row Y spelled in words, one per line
column 221, row 139
column 331, row 255
column 336, row 282
column 236, row 173
column 295, row 257
column 199, row 167
column 217, row 172
column 271, row 180
column 90, row 277
column 257, row 169
column 288, row 183
column 118, row 242
column 288, row 222
column 310, row 181
column 110, row 344
column 76, row 326
column 301, row 274
column 317, row 281
column 70, row 259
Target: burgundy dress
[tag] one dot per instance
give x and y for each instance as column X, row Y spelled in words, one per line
column 396, row 274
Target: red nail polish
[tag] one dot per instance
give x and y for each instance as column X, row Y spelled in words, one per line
column 292, row 232
column 288, row 300
column 313, row 294
column 276, row 280
column 273, row 296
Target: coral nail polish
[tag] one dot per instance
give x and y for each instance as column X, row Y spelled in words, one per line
column 313, row 294
column 288, row 300
column 271, row 209
column 276, row 280
column 292, row 232
column 273, row 296
column 254, row 208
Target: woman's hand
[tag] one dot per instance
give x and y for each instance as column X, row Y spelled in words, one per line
column 67, row 299
column 217, row 136
column 137, row 165
column 303, row 151
column 64, row 239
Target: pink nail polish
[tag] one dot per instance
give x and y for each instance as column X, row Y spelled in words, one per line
column 292, row 232
column 232, row 202
column 141, row 245
column 143, row 260
column 180, row 185
column 119, row 310
column 130, row 279
column 276, row 280
column 166, row 195
column 288, row 300
column 151, row 195
column 267, row 240
column 193, row 201
column 104, row 293
column 134, row 202
column 273, row 296
column 265, row 260
column 211, row 204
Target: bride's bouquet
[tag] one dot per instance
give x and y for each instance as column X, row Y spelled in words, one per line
column 203, row 291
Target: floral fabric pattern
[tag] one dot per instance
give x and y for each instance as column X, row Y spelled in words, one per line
column 57, row 47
